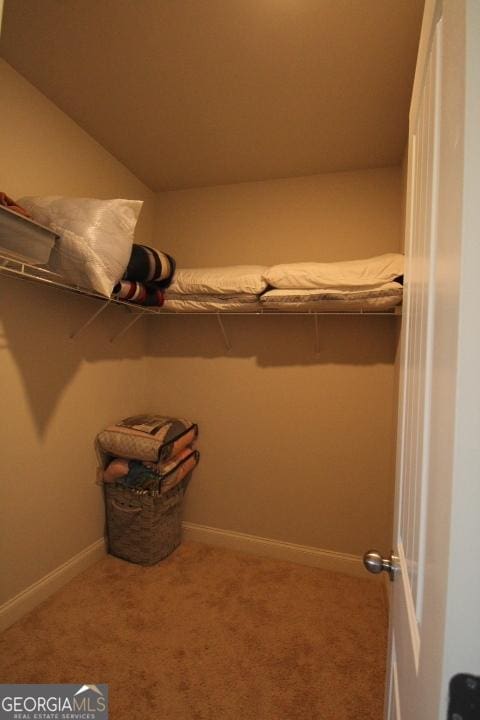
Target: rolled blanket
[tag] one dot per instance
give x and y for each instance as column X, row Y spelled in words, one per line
column 155, row 295
column 149, row 265
column 142, row 294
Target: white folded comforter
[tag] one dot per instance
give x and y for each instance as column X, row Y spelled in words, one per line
column 378, row 299
column 237, row 279
column 204, row 302
column 370, row 272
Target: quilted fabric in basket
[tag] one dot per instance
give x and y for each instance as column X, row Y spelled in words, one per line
column 151, row 438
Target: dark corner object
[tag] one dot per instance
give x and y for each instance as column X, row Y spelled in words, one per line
column 464, row 700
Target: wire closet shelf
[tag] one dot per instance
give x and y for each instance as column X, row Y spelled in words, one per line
column 20, row 269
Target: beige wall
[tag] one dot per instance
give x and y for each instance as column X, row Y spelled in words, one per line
column 45, row 152
column 56, row 393
column 294, row 447
column 323, row 217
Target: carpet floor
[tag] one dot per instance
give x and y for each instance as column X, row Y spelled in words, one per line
column 210, row 634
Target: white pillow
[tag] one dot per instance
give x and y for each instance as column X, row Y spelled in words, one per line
column 96, row 237
column 349, row 274
column 220, row 280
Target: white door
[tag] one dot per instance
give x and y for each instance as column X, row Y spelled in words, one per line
column 435, row 626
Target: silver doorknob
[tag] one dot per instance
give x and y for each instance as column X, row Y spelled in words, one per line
column 375, row 563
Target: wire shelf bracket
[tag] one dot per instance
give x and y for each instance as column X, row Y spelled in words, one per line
column 136, row 318
column 90, row 320
column 226, row 339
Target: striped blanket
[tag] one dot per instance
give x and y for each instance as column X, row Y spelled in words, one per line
column 147, row 265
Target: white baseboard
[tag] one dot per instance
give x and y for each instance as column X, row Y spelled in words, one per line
column 24, row 602
column 302, row 554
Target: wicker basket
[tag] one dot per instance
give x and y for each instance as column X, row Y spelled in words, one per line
column 143, row 527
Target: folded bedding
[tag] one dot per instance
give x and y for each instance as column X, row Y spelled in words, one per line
column 231, row 280
column 135, row 474
column 166, row 467
column 242, row 302
column 379, row 299
column 370, row 272
column 120, row 467
column 181, row 469
column 151, row 438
